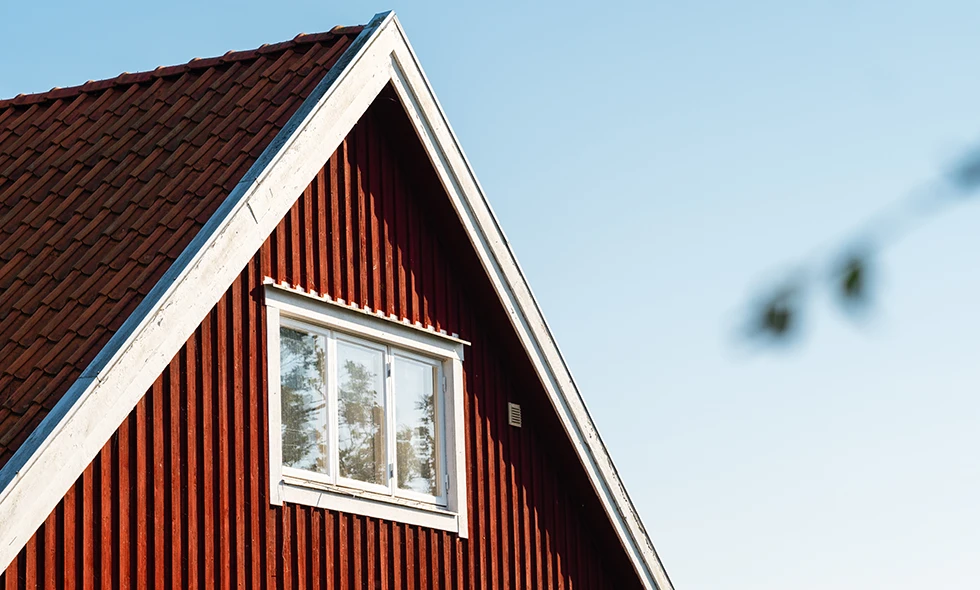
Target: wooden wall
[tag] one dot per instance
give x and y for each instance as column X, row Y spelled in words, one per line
column 178, row 497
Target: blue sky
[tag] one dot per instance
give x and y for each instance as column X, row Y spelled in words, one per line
column 656, row 164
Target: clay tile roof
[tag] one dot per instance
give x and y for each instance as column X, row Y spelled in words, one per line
column 103, row 185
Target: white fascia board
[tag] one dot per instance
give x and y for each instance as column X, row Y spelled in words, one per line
column 44, row 468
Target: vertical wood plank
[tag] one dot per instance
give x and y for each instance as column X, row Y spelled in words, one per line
column 422, row 551
column 125, row 497
column 330, row 548
column 208, row 536
column 294, row 249
column 384, row 557
column 403, row 238
column 307, row 203
column 388, row 230
column 106, row 461
column 177, row 481
column 158, row 476
column 344, row 563
column 86, row 531
column 527, row 546
column 141, row 515
column 336, row 269
column 481, row 536
column 50, row 529
column 286, row 554
column 376, row 259
column 321, row 219
column 256, row 476
column 237, row 428
column 222, row 505
column 361, row 244
column 411, row 558
column 315, row 544
column 298, row 546
column 191, row 443
column 397, row 555
column 29, row 560
column 534, row 475
column 349, row 204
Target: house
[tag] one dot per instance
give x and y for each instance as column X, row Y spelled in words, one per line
column 260, row 328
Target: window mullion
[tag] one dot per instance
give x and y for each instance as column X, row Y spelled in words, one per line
column 439, row 423
column 390, row 434
column 333, row 432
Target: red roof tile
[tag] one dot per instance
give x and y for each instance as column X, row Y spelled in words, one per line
column 103, row 185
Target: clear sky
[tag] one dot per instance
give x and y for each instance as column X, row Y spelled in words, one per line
column 654, row 165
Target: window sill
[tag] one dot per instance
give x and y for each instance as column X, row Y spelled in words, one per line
column 298, row 491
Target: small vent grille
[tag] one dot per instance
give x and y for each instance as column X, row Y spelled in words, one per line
column 514, row 415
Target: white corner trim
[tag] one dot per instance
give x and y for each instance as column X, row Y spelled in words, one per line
column 44, row 468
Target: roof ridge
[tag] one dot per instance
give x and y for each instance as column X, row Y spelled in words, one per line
column 197, row 63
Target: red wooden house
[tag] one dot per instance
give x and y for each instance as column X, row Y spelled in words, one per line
column 260, row 328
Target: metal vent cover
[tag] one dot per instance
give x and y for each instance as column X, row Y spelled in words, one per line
column 514, row 415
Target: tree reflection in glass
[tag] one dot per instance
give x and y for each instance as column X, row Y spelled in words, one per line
column 303, row 399
column 415, row 416
column 361, row 414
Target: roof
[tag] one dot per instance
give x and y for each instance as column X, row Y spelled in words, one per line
column 103, row 185
column 134, row 345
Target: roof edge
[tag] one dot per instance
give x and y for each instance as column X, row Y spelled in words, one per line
column 127, row 78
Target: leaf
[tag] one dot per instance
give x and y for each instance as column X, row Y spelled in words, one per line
column 779, row 314
column 853, row 280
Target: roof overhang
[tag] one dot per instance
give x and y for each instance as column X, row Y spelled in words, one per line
column 44, row 468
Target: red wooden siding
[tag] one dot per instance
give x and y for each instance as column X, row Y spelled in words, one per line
column 178, row 497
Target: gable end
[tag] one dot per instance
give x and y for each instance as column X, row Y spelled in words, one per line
column 114, row 383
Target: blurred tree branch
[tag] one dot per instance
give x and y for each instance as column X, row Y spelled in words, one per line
column 848, row 275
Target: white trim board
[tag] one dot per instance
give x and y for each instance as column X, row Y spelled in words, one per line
column 69, row 438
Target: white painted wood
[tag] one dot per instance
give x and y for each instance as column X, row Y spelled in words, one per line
column 456, row 446
column 69, row 438
column 333, row 410
column 324, row 312
column 514, row 415
column 393, row 509
column 275, row 401
column 314, row 296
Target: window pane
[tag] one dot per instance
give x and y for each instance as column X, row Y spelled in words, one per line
column 361, row 413
column 415, row 416
column 303, row 397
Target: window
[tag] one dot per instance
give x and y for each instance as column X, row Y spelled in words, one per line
column 365, row 412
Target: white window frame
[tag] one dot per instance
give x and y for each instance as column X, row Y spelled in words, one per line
column 321, row 315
